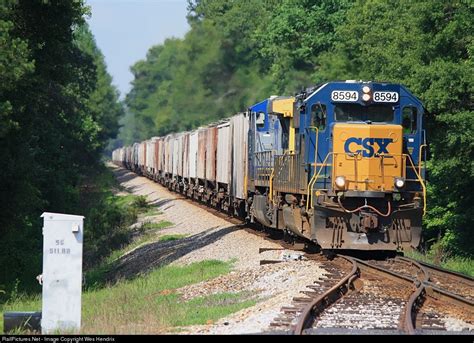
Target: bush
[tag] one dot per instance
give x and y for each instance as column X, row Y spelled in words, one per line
column 108, row 219
column 140, row 203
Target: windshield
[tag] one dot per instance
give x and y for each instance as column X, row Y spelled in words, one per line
column 356, row 112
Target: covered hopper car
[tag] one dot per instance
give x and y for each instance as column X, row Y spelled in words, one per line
column 339, row 164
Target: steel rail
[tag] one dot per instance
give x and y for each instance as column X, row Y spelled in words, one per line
column 438, row 269
column 416, row 298
column 327, row 297
column 435, row 291
column 388, row 272
column 423, row 289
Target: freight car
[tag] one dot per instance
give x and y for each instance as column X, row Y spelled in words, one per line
column 339, row 164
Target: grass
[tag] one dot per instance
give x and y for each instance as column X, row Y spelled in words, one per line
column 125, row 200
column 456, row 263
column 140, row 202
column 205, row 310
column 147, row 231
column 149, row 226
column 95, row 276
column 21, row 303
column 137, row 201
column 152, row 212
column 168, row 238
column 149, row 304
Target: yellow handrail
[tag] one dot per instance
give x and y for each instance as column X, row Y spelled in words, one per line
column 419, row 157
column 421, row 182
column 270, row 192
column 313, row 181
column 315, row 159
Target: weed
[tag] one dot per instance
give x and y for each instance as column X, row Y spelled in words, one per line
column 149, row 226
column 167, row 238
column 456, row 263
column 140, row 202
column 152, row 212
column 149, row 303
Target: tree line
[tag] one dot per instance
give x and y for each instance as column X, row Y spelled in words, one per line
column 58, row 110
column 239, row 52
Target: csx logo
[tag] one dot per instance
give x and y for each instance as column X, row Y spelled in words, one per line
column 368, row 144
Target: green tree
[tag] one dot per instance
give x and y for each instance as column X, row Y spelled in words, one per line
column 212, row 72
column 294, row 37
column 58, row 110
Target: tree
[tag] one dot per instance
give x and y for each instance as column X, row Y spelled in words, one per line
column 58, row 111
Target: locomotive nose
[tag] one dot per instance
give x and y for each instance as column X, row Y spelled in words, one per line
column 369, row 157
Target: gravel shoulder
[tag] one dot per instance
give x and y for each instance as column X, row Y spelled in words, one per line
column 212, row 237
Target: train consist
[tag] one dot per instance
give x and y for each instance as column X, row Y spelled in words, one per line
column 340, row 164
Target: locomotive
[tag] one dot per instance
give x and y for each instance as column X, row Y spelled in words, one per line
column 340, row 164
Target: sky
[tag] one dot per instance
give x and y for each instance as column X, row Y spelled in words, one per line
column 125, row 29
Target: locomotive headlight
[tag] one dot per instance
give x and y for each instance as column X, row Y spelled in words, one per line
column 399, row 183
column 366, row 97
column 366, row 89
column 340, row 182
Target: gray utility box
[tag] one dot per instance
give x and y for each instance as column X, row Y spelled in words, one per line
column 62, row 273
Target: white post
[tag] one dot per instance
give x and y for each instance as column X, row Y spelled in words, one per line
column 62, row 273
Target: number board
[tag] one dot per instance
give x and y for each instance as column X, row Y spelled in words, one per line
column 385, row 97
column 344, row 96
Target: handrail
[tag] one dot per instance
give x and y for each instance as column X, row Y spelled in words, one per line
column 270, row 191
column 423, row 186
column 315, row 160
column 419, row 157
column 313, row 181
column 272, row 174
column 316, row 143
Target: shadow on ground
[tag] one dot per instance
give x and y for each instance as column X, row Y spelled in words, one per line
column 123, row 175
column 156, row 254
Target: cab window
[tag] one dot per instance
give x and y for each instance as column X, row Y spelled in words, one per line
column 285, row 128
column 260, row 120
column 373, row 113
column 318, row 116
column 409, row 119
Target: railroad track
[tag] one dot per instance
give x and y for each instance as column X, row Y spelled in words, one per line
column 322, row 293
column 399, row 294
column 438, row 291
